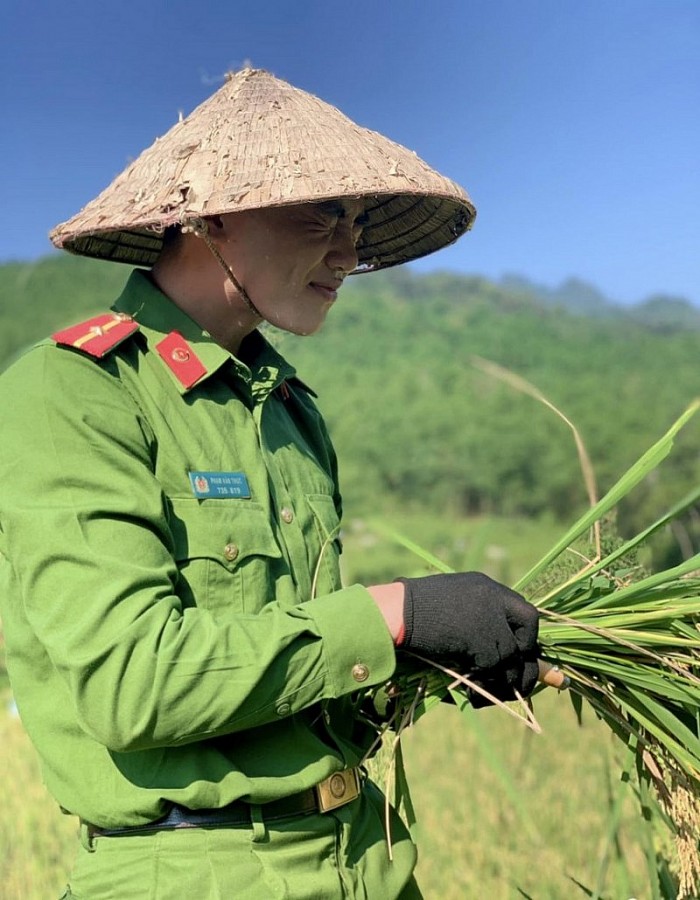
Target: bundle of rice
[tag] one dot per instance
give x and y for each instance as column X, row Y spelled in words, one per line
column 627, row 642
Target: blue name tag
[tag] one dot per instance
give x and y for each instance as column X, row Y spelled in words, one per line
column 219, row 485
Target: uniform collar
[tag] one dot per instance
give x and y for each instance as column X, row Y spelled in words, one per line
column 159, row 317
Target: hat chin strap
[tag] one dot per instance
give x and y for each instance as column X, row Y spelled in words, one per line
column 198, row 227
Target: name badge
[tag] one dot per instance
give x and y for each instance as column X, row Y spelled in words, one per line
column 219, row 485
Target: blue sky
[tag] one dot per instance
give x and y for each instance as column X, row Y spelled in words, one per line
column 573, row 124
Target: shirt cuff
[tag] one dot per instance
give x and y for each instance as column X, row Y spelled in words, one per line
column 358, row 647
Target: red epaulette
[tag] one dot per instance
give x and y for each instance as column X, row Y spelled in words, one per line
column 99, row 335
column 181, row 359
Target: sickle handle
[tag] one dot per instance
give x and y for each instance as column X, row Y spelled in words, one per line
column 552, row 675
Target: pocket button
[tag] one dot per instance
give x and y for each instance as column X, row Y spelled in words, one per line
column 360, row 672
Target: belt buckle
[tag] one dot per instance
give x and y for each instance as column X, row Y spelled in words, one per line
column 338, row 789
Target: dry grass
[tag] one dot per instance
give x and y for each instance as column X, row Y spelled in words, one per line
column 479, row 841
column 37, row 841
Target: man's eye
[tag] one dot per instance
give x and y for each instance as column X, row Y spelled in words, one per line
column 326, row 223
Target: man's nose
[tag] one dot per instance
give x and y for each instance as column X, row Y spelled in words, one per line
column 343, row 252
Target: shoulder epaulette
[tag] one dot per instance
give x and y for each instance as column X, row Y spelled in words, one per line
column 99, row 335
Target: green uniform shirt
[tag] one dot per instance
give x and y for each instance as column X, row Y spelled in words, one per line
column 163, row 647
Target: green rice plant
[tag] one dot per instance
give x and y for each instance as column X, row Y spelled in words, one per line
column 629, row 645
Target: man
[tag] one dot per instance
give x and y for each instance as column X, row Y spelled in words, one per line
column 181, row 649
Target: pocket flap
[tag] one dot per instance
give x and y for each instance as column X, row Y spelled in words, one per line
column 228, row 531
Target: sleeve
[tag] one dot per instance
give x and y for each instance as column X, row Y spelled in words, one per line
column 85, row 530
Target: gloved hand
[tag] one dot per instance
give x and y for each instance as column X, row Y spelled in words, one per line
column 484, row 629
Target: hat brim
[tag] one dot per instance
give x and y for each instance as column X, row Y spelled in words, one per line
column 400, row 227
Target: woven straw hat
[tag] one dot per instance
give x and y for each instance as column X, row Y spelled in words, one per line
column 258, row 142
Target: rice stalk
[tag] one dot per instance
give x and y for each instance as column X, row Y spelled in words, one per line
column 629, row 643
column 524, row 386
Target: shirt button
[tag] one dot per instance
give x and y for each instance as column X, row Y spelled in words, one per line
column 284, row 709
column 360, row 672
column 287, row 515
column 230, row 552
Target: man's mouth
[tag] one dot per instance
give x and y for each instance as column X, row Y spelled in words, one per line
column 329, row 290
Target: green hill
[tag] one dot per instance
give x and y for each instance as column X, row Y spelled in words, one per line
column 414, row 418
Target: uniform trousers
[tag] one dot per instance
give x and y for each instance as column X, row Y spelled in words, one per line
column 339, row 855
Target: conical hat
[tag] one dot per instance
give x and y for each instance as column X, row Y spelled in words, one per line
column 258, row 142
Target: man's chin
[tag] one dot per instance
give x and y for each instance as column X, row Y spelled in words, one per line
column 304, row 329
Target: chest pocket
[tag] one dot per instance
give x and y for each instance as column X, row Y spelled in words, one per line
column 225, row 552
column 326, row 569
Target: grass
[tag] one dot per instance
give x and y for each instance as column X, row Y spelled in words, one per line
column 501, row 547
column 475, row 842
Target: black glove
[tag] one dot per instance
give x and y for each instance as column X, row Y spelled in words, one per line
column 477, row 625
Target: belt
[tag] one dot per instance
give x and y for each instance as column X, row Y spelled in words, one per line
column 332, row 793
